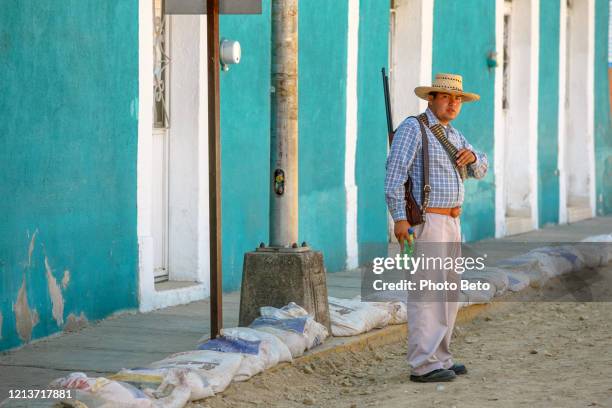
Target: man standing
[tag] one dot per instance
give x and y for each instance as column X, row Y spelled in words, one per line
column 431, row 323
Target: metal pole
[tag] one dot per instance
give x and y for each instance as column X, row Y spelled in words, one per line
column 214, row 167
column 284, row 124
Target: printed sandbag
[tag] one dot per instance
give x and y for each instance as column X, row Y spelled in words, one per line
column 102, row 392
column 312, row 332
column 167, row 384
column 254, row 357
column 217, row 367
column 271, row 348
column 350, row 317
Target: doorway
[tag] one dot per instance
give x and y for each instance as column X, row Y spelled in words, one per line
column 519, row 112
column 579, row 153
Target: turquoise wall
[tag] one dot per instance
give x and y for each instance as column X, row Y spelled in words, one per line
column 463, row 36
column 68, row 150
column 603, row 123
column 322, row 127
column 548, row 113
column 245, row 142
column 372, row 130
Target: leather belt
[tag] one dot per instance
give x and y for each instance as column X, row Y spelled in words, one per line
column 451, row 212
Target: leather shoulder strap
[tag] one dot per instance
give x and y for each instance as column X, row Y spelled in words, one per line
column 425, row 151
column 422, row 120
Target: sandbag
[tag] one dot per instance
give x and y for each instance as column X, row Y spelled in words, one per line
column 396, row 309
column 478, row 296
column 101, row 392
column 517, row 280
column 312, row 332
column 350, row 317
column 254, row 357
column 594, row 254
column 494, row 276
column 558, row 260
column 217, row 367
column 277, row 350
column 289, row 311
column 527, row 264
column 165, row 383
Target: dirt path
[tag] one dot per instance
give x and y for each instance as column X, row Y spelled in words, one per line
column 528, row 354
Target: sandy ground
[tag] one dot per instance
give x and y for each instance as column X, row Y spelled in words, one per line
column 535, row 354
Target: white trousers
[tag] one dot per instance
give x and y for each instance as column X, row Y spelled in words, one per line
column 431, row 321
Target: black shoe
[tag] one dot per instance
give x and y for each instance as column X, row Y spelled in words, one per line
column 438, row 375
column 458, row 369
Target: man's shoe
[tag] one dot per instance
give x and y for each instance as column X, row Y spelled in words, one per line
column 458, row 369
column 438, row 375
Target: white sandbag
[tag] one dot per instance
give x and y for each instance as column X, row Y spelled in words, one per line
column 102, row 392
column 217, row 367
column 159, row 383
column 558, row 260
column 286, row 312
column 479, row 296
column 255, row 358
column 295, row 342
column 350, row 317
column 271, row 347
column 517, row 280
column 594, row 254
column 527, row 264
column 292, row 318
column 495, row 276
column 396, row 309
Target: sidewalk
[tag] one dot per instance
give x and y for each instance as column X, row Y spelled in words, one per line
column 134, row 339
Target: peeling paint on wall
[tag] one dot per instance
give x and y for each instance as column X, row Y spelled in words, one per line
column 75, row 323
column 31, row 248
column 66, row 279
column 57, row 299
column 25, row 318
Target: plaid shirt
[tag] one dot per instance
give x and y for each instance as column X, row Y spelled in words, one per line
column 405, row 159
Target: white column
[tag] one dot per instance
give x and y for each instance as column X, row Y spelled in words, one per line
column 590, row 87
column 411, row 55
column 146, row 286
column 352, row 248
column 203, row 274
column 500, row 202
column 534, row 59
column 561, row 121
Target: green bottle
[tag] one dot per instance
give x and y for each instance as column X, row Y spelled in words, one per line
column 409, row 248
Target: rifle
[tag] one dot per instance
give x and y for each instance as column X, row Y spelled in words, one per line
column 390, row 130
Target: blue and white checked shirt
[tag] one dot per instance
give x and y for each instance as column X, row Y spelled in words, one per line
column 405, row 159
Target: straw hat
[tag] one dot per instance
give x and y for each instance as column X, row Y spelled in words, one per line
column 447, row 83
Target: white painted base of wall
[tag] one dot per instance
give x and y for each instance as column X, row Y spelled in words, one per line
column 575, row 214
column 518, row 225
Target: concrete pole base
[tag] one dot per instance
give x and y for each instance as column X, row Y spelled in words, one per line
column 277, row 278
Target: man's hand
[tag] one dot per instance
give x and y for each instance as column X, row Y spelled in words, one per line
column 401, row 233
column 465, row 157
